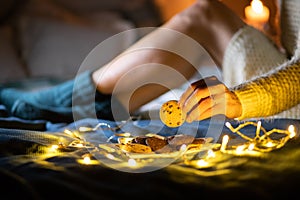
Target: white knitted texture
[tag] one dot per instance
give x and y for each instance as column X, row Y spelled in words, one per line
column 290, row 24
column 250, row 54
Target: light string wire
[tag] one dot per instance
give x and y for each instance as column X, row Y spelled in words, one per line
column 262, row 142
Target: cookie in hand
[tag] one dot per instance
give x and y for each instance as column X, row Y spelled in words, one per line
column 171, row 114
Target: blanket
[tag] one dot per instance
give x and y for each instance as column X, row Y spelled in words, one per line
column 29, row 169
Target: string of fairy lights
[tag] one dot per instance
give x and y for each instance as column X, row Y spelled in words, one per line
column 263, row 142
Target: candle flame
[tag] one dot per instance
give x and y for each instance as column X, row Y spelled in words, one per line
column 257, row 6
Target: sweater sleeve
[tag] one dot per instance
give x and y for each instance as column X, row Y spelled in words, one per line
column 271, row 93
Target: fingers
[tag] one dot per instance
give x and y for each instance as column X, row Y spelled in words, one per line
column 212, row 105
column 208, row 97
column 199, row 91
column 200, row 95
column 198, row 85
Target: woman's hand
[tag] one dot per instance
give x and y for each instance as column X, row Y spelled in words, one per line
column 208, row 97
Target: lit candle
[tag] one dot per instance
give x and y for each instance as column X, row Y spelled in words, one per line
column 257, row 14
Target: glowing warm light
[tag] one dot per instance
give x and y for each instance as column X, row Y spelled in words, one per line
column 74, row 134
column 54, row 147
column 228, row 125
column 262, row 142
column 225, row 140
column 269, row 144
column 211, row 154
column 202, row 163
column 257, row 6
column 291, row 130
column 199, row 164
column 68, row 132
column 257, row 14
column 132, row 162
column 85, row 129
column 240, row 149
column 110, row 156
column 87, row 160
column 258, row 128
column 251, row 146
column 183, row 147
column 79, row 145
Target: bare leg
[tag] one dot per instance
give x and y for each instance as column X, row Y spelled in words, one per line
column 208, row 22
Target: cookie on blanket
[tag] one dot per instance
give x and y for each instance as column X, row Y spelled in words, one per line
column 155, row 143
column 171, row 114
column 135, row 148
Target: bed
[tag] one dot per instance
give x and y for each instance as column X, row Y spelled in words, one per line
column 44, row 160
column 31, row 168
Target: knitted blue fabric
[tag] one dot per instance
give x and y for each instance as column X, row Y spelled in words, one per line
column 61, row 103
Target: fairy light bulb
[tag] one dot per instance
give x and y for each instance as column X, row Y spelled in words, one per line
column 291, row 130
column 240, row 149
column 54, row 147
column 225, row 140
column 202, row 163
column 110, row 156
column 132, row 162
column 251, row 146
column 211, row 154
column 86, row 160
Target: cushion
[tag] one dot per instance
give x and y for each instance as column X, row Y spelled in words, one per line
column 55, row 43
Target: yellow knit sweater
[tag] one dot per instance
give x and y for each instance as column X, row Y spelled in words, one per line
column 265, row 80
column 272, row 93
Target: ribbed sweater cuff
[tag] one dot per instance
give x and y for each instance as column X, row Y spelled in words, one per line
column 252, row 98
column 84, row 89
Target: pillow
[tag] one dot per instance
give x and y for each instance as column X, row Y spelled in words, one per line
column 56, row 45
